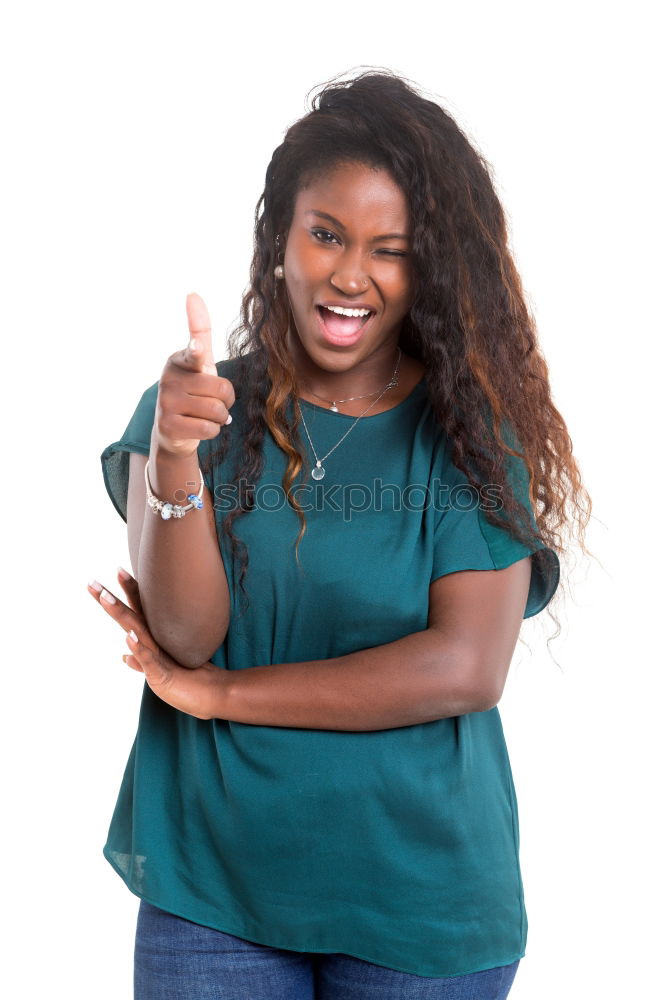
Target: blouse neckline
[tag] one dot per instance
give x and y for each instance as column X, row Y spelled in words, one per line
column 370, row 416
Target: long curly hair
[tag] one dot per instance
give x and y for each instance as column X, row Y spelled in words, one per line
column 469, row 323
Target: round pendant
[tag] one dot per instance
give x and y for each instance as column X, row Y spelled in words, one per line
column 334, row 408
column 318, row 472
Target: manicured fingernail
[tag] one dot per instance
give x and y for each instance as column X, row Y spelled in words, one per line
column 132, row 635
column 106, row 596
column 95, row 585
column 194, row 345
column 123, row 573
column 228, row 420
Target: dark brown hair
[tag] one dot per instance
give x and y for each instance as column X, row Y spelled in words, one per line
column 469, row 324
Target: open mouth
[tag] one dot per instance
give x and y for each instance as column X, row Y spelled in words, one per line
column 338, row 325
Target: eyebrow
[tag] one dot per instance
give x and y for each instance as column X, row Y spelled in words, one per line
column 336, row 222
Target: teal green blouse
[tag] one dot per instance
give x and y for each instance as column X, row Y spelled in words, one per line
column 397, row 846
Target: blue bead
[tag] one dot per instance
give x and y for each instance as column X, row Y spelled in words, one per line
column 195, row 500
column 166, row 511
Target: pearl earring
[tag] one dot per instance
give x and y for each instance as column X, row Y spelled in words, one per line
column 279, row 269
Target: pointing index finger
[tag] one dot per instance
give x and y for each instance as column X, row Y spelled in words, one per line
column 198, row 322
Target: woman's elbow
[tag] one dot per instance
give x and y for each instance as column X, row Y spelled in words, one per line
column 188, row 650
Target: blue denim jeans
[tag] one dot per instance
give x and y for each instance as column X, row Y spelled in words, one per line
column 175, row 959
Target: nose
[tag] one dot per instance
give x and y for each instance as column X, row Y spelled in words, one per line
column 350, row 286
column 349, row 276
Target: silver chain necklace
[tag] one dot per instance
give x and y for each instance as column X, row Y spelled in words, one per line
column 318, row 471
column 365, row 395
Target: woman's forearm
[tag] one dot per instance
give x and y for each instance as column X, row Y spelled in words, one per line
column 416, row 679
column 419, row 678
column 181, row 576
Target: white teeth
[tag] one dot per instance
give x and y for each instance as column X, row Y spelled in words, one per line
column 348, row 312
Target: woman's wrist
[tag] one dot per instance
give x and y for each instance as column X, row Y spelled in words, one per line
column 173, row 477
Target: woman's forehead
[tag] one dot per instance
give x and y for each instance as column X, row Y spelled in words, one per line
column 362, row 194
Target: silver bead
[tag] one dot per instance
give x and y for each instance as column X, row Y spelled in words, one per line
column 279, row 271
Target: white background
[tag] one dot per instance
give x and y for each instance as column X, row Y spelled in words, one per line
column 136, row 138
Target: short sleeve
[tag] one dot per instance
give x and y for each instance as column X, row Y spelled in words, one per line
column 465, row 539
column 136, row 437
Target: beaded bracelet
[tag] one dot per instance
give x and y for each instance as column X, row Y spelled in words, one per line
column 168, row 510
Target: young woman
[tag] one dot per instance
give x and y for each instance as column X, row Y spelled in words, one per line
column 336, row 534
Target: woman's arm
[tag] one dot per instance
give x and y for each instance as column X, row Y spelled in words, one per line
column 177, row 563
column 457, row 665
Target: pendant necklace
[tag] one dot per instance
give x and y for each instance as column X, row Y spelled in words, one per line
column 318, row 471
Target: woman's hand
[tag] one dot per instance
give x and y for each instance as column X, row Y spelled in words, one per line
column 193, row 401
column 197, row 691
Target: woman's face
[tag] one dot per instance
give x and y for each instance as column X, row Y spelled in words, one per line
column 348, row 245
